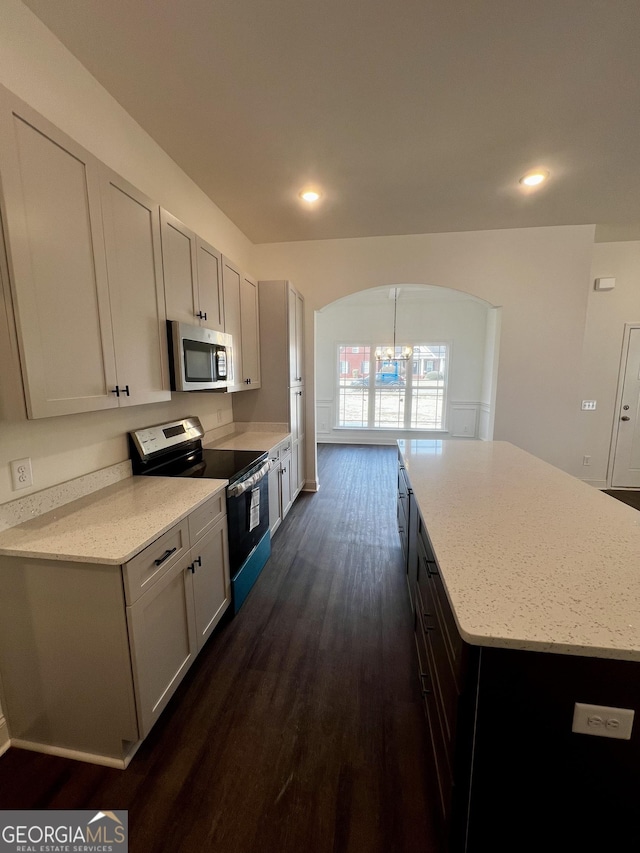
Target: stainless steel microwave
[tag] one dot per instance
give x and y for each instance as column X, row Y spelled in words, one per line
column 199, row 359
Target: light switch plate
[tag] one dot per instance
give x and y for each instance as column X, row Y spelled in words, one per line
column 602, row 721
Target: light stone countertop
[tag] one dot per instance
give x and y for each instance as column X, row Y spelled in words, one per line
column 250, row 440
column 110, row 525
column 531, row 557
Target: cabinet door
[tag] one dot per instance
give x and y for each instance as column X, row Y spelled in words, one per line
column 179, row 263
column 274, row 495
column 211, row 584
column 53, row 222
column 250, row 333
column 12, row 402
column 299, row 467
column 210, row 297
column 136, row 289
column 296, row 412
column 286, row 483
column 295, row 305
column 231, row 278
column 163, row 641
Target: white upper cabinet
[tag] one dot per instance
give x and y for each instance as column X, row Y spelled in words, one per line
column 249, row 323
column 296, row 337
column 242, row 323
column 210, row 294
column 52, row 218
column 192, row 276
column 231, row 278
column 134, row 270
column 85, row 269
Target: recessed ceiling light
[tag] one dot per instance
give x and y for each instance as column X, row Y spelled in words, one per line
column 534, row 179
column 309, row 195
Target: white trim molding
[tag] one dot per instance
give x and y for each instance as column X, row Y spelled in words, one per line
column 5, row 742
column 484, row 425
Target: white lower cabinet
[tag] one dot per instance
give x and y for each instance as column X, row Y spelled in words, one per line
column 280, row 483
column 210, row 581
column 90, row 654
column 163, row 641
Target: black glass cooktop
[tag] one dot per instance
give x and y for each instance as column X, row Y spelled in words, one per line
column 229, row 465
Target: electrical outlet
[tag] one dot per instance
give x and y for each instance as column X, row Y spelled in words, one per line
column 586, row 460
column 602, row 721
column 21, row 474
column 588, row 405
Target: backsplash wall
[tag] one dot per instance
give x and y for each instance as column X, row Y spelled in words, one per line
column 67, row 447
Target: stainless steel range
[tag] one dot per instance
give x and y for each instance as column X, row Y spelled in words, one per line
column 175, row 449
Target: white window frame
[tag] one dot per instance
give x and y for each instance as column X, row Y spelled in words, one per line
column 409, row 379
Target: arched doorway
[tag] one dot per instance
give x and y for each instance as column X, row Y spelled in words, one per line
column 445, row 388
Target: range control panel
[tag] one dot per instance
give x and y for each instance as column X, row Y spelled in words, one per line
column 161, row 437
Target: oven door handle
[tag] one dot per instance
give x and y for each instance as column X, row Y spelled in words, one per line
column 244, row 486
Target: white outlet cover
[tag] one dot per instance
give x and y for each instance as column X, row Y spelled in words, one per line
column 21, row 474
column 603, row 721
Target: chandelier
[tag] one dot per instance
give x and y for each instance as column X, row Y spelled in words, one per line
column 394, row 353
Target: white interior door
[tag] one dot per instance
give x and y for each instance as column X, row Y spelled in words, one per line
column 626, row 463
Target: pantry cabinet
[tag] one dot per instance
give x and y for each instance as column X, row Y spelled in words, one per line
column 77, row 238
column 281, row 398
column 193, row 276
column 296, row 336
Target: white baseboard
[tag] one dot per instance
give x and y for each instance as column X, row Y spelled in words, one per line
column 76, row 754
column 597, row 484
column 311, row 486
column 5, row 743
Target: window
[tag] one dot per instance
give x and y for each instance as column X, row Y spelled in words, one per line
column 398, row 394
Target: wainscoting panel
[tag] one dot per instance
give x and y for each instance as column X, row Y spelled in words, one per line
column 324, row 417
column 464, row 420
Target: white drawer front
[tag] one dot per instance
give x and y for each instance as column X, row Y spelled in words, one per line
column 206, row 516
column 150, row 565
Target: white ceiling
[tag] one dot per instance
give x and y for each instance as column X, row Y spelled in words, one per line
column 414, row 116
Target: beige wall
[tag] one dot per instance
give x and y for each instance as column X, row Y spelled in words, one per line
column 539, row 277
column 37, row 68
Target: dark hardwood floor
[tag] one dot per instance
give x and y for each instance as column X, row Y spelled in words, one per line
column 300, row 728
column 627, row 496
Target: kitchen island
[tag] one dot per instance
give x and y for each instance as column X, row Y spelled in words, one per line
column 525, row 585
